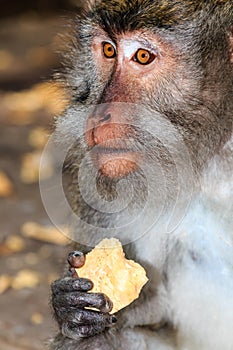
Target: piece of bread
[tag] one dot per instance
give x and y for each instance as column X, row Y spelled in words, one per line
column 112, row 274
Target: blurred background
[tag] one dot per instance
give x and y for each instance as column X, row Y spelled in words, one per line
column 32, row 251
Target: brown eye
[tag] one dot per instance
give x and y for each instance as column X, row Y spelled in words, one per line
column 144, row 57
column 109, row 50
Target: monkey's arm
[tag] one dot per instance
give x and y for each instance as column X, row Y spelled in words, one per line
column 130, row 339
column 79, row 326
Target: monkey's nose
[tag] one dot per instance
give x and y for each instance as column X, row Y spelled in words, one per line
column 106, row 118
column 95, row 122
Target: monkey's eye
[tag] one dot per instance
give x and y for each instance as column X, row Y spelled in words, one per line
column 109, row 50
column 144, row 57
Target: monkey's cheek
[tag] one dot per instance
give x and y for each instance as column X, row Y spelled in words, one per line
column 117, row 166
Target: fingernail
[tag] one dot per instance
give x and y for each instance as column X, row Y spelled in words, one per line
column 113, row 319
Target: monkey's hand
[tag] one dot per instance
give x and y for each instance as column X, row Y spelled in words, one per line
column 70, row 298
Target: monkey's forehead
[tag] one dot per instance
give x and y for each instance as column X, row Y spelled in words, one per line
column 128, row 15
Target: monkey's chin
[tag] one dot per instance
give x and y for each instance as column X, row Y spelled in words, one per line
column 116, row 165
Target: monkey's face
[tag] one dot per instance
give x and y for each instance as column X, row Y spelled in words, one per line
column 149, row 54
column 130, row 68
column 129, row 74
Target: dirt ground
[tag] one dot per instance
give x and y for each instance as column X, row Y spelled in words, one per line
column 27, row 46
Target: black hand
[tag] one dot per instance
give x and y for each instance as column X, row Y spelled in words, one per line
column 70, row 297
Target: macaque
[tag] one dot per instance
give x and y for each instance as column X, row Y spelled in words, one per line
column 149, row 160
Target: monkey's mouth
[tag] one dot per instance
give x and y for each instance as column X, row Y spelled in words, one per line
column 115, row 162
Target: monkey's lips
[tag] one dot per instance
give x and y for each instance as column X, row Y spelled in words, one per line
column 115, row 162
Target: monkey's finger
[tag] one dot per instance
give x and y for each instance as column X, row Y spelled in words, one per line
column 81, row 300
column 88, row 317
column 76, row 332
column 69, row 284
column 76, row 259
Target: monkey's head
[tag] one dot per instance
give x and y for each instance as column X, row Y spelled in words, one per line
column 173, row 58
column 147, row 76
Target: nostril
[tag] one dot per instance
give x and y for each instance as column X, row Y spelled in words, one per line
column 106, row 118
